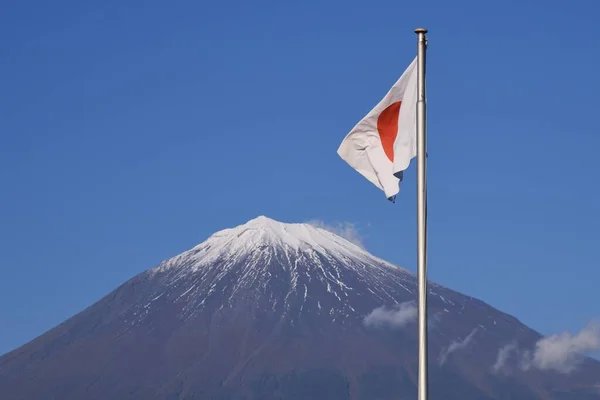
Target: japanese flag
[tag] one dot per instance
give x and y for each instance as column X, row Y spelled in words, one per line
column 382, row 144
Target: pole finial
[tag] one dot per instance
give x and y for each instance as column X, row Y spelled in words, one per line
column 420, row 30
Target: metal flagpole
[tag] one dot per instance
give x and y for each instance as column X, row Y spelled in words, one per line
column 422, row 211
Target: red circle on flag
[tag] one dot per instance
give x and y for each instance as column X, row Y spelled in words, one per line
column 387, row 127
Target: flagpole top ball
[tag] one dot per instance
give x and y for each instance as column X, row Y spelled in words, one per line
column 420, row 30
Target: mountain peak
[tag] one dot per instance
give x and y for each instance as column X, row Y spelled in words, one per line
column 262, row 220
column 266, row 222
column 297, row 236
column 263, row 234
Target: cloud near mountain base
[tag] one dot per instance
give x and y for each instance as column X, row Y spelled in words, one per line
column 396, row 317
column 561, row 352
column 455, row 346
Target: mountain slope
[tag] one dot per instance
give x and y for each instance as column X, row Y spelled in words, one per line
column 269, row 310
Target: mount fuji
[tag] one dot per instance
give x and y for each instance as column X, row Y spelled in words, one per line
column 271, row 310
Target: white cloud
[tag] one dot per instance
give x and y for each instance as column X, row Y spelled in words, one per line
column 456, row 345
column 503, row 356
column 563, row 352
column 396, row 317
column 434, row 320
column 524, row 360
column 347, row 230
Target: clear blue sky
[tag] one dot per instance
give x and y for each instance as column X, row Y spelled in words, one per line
column 130, row 131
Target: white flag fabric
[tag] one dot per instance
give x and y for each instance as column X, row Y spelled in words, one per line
column 381, row 146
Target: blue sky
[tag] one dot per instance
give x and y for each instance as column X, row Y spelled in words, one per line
column 131, row 131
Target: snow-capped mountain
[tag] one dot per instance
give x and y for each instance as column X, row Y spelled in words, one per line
column 269, row 310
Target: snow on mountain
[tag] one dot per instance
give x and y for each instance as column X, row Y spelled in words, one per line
column 264, row 254
column 261, row 234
